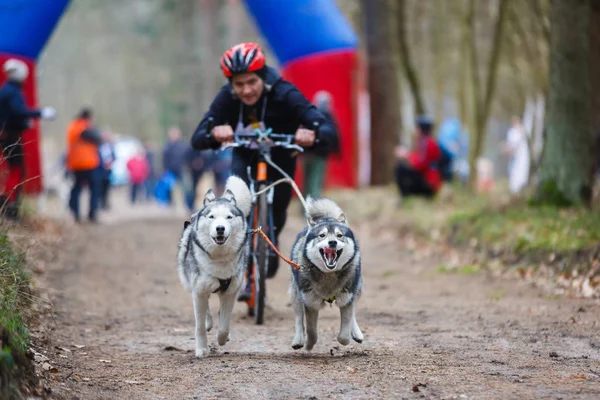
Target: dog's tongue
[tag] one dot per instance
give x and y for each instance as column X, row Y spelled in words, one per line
column 330, row 254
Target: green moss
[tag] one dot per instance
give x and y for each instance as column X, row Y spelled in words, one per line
column 550, row 194
column 468, row 269
column 526, row 228
column 493, row 221
column 387, row 274
column 497, row 294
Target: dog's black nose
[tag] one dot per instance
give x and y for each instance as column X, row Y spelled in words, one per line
column 332, row 244
column 220, row 230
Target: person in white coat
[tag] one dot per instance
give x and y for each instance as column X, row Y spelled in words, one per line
column 518, row 148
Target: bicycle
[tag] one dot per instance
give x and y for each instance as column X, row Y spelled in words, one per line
column 261, row 214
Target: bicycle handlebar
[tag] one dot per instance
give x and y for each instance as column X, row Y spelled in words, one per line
column 278, row 139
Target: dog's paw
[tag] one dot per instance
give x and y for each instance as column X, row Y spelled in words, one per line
column 202, row 352
column 344, row 340
column 358, row 339
column 357, row 334
column 222, row 338
column 311, row 340
column 298, row 343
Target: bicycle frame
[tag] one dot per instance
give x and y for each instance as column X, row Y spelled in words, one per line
column 265, row 141
column 261, row 178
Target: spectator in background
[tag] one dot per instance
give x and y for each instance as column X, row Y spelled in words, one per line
column 197, row 162
column 107, row 159
column 315, row 161
column 221, row 167
column 150, row 182
column 417, row 171
column 518, row 149
column 449, row 141
column 138, row 169
column 15, row 119
column 485, row 175
column 83, row 160
column 174, row 154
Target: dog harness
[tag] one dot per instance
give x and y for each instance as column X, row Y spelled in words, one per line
column 223, row 285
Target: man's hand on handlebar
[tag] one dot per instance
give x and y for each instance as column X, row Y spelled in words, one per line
column 223, row 133
column 304, row 137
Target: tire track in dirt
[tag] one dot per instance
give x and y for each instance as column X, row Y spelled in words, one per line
column 427, row 335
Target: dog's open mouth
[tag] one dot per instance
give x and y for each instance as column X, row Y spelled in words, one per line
column 330, row 256
column 220, row 240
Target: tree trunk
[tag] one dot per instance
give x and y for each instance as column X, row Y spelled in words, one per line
column 214, row 34
column 406, row 59
column 566, row 170
column 383, row 90
column 472, row 93
column 490, row 87
column 440, row 66
column 463, row 70
column 595, row 64
column 483, row 103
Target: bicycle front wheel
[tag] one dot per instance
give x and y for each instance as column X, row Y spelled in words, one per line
column 262, row 259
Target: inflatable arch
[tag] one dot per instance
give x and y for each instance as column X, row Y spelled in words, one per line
column 312, row 40
column 317, row 50
column 25, row 27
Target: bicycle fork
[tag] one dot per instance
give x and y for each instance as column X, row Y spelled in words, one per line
column 253, row 218
column 269, row 230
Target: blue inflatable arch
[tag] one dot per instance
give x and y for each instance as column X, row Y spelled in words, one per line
column 26, row 25
column 298, row 28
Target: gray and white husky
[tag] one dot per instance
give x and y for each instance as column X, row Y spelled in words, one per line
column 328, row 253
column 212, row 257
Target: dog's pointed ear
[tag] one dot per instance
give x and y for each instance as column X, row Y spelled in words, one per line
column 342, row 219
column 312, row 222
column 209, row 196
column 229, row 196
column 189, row 221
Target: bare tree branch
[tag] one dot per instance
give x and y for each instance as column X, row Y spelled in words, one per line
column 493, row 65
column 405, row 56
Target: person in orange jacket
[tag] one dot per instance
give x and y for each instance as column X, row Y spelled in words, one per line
column 417, row 172
column 83, row 160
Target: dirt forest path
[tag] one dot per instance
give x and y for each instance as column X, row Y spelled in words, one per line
column 427, row 334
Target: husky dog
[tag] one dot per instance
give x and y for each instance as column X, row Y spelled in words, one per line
column 212, row 257
column 330, row 260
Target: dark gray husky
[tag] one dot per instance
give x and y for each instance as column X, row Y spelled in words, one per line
column 328, row 253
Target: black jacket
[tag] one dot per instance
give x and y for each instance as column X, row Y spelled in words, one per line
column 286, row 110
column 335, row 149
column 14, row 114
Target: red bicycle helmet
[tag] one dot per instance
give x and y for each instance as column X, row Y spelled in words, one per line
column 241, row 58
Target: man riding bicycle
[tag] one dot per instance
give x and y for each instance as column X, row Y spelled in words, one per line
column 257, row 97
